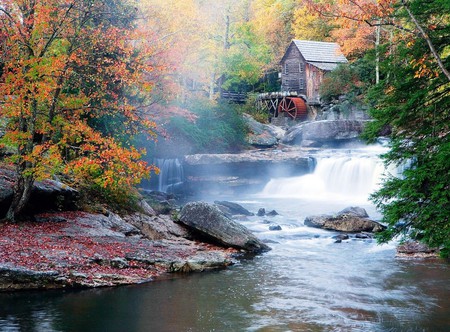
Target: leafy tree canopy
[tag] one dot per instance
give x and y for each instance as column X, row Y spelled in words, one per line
column 67, row 66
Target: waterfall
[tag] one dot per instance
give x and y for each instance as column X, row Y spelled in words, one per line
column 337, row 176
column 171, row 175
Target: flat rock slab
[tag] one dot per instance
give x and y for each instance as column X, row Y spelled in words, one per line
column 209, row 221
column 76, row 249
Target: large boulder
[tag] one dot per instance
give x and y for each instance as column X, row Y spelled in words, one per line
column 349, row 220
column 232, row 209
column 214, row 225
column 159, row 227
column 52, row 195
column 45, row 195
column 262, row 135
column 318, row 133
column 355, row 210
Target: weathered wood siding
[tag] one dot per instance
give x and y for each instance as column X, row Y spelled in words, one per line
column 293, row 71
column 299, row 76
column 314, row 77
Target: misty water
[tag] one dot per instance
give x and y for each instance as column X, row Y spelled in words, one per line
column 306, row 283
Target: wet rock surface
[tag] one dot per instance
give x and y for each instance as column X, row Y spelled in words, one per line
column 209, row 221
column 320, row 133
column 348, row 220
column 415, row 249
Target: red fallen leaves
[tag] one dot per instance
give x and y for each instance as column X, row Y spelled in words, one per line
column 48, row 246
column 44, row 246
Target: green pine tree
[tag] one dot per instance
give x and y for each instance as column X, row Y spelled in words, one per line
column 413, row 101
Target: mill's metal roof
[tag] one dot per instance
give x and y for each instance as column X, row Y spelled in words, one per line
column 327, row 66
column 320, row 52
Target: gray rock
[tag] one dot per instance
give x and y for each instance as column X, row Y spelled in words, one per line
column 261, row 212
column 52, row 195
column 294, row 136
column 119, row 263
column 46, row 195
column 146, row 208
column 316, row 133
column 356, row 211
column 343, row 223
column 209, row 221
column 364, row 236
column 157, row 227
column 416, row 249
column 275, row 228
column 51, row 218
column 272, row 213
column 262, row 135
column 201, row 262
column 115, row 222
column 341, row 237
column 97, row 225
column 234, row 208
column 12, row 278
column 7, row 178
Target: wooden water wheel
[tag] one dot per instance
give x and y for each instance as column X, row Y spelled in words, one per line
column 295, row 107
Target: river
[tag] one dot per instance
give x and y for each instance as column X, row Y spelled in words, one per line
column 306, row 283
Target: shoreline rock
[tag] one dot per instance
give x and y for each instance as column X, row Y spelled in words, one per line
column 81, row 250
column 207, row 220
column 415, row 249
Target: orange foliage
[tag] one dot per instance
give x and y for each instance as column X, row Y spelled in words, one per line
column 64, row 65
column 355, row 20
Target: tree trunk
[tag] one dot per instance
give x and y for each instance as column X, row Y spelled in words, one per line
column 22, row 194
column 24, row 183
column 377, row 56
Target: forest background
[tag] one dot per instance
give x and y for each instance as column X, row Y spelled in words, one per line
column 84, row 85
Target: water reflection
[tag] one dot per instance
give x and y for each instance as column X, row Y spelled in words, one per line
column 255, row 296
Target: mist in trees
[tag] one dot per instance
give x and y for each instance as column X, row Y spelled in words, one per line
column 83, row 82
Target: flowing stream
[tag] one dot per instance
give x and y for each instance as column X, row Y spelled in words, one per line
column 306, row 283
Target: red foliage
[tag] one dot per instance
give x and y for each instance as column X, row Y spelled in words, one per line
column 45, row 246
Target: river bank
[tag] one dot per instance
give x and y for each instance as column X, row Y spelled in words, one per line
column 73, row 248
column 78, row 249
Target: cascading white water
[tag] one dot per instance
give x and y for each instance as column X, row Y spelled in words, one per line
column 171, row 173
column 337, row 176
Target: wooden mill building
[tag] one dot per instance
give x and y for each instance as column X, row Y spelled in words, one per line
column 304, row 64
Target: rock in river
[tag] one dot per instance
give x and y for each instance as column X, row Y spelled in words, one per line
column 209, row 221
column 348, row 220
column 233, row 208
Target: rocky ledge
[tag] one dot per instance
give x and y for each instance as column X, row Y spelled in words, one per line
column 232, row 173
column 78, row 249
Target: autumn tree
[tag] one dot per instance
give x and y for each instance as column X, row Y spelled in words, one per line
column 310, row 25
column 67, row 65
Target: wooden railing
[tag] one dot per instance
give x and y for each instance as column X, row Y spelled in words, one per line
column 234, row 97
